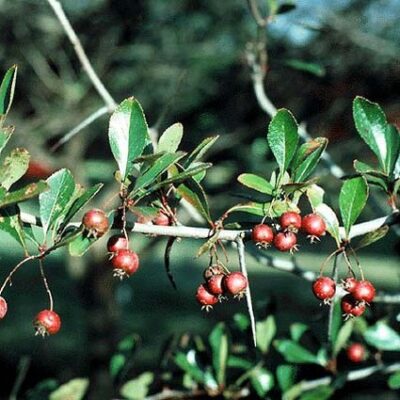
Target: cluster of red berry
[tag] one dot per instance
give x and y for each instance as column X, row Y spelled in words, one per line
column 360, row 294
column 218, row 284
column 285, row 238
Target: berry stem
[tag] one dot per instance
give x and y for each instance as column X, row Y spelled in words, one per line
column 321, row 270
column 335, row 273
column 46, row 285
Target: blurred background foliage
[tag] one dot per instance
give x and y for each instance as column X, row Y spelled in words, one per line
column 184, row 60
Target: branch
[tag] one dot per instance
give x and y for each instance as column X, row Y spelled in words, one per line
column 260, row 20
column 80, row 52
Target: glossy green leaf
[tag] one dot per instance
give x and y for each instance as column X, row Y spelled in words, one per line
column 5, row 135
column 265, row 332
column 72, row 390
column 238, row 362
column 157, row 168
column 138, row 388
column 7, row 89
column 220, row 350
column 262, row 209
column 199, row 151
column 145, row 211
column 392, row 136
column 394, row 381
column 343, row 336
column 362, row 167
column 295, row 353
column 14, row 167
column 297, row 330
column 262, row 381
column 256, row 182
column 371, row 125
column 382, row 337
column 312, row 68
column 128, row 343
column 242, row 321
column 53, row 202
column 331, row 220
column 372, row 237
column 117, row 363
column 127, row 134
column 286, row 375
column 81, row 244
column 319, row 393
column 42, row 390
column 283, row 137
column 10, row 222
column 315, row 195
column 352, row 199
column 187, row 362
column 307, row 158
column 23, row 194
column 171, row 138
column 290, row 188
column 337, row 321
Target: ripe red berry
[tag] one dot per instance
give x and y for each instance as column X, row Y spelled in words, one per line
column 125, row 263
column 116, row 243
column 3, row 307
column 285, row 241
column 214, row 284
column 205, row 298
column 314, row 226
column 212, row 270
column 324, row 288
column 356, row 352
column 161, row 219
column 364, row 291
column 47, row 322
column 291, row 221
column 235, row 284
column 351, row 307
column 96, row 223
column 262, row 235
column 349, row 284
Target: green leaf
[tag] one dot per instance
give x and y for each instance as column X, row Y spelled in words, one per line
column 283, row 138
column 128, row 343
column 315, row 195
column 137, row 389
column 127, row 134
column 372, row 237
column 7, row 89
column 144, row 211
column 53, row 202
column 331, row 220
column 81, row 244
column 25, row 193
column 362, row 167
column 262, row 209
column 10, row 222
column 262, row 381
column 171, row 138
column 294, row 352
column 200, row 150
column 242, row 321
column 42, row 390
column 343, row 336
column 72, row 390
column 220, row 349
column 312, row 68
column 14, row 167
column 319, row 393
column 352, row 199
column 394, row 381
column 187, row 362
column 265, row 332
column 256, row 182
column 307, row 158
column 286, row 375
column 159, row 167
column 5, row 135
column 371, row 125
column 382, row 337
column 238, row 362
column 337, row 321
column 392, row 136
column 117, row 363
column 297, row 330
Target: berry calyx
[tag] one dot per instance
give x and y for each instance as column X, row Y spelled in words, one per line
column 314, row 226
column 235, row 284
column 162, row 219
column 95, row 222
column 125, row 263
column 356, row 352
column 349, row 284
column 215, row 285
column 286, row 241
column 290, row 221
column 205, row 298
column 324, row 288
column 116, row 243
column 3, row 307
column 364, row 291
column 351, row 307
column 47, row 322
column 262, row 235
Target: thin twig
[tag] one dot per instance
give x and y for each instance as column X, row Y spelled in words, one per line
column 80, row 52
column 46, row 284
column 255, row 11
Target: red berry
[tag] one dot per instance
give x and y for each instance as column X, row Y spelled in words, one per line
column 314, row 226
column 349, row 284
column 351, row 307
column 3, row 307
column 235, row 284
column 291, row 221
column 285, row 241
column 364, row 291
column 262, row 235
column 205, row 298
column 116, row 243
column 96, row 222
column 125, row 263
column 161, row 219
column 212, row 270
column 214, row 284
column 356, row 352
column 47, row 322
column 324, row 288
